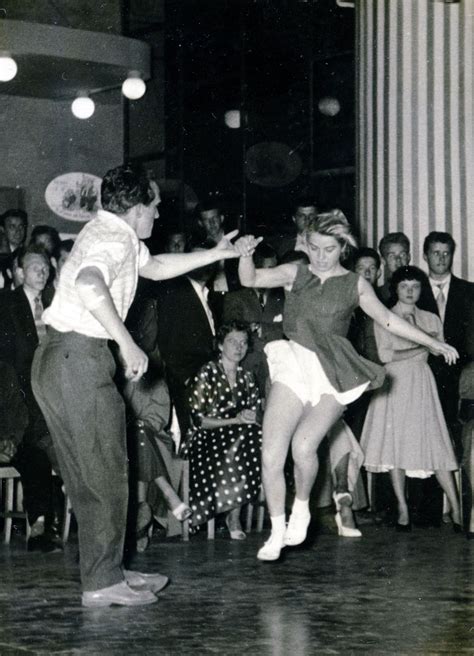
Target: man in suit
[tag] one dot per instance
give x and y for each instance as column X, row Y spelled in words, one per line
column 22, row 328
column 185, row 330
column 302, row 211
column 226, row 278
column 394, row 248
column 15, row 222
column 262, row 310
column 451, row 299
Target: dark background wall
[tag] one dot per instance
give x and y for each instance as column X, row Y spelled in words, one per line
column 274, row 62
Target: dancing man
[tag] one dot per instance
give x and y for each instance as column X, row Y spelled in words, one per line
column 73, row 373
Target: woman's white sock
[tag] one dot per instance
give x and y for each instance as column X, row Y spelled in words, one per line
column 300, row 507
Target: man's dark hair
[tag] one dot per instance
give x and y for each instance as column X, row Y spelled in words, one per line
column 32, row 249
column 210, row 202
column 46, row 230
column 14, row 212
column 303, row 201
column 442, row 238
column 263, row 252
column 365, row 251
column 394, row 238
column 291, row 257
column 124, row 187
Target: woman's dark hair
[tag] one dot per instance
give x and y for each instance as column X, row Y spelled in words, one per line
column 406, row 273
column 230, row 326
column 124, row 187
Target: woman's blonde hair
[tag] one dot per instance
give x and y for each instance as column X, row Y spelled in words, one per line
column 333, row 224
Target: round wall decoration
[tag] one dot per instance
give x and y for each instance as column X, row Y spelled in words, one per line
column 74, row 196
column 272, row 164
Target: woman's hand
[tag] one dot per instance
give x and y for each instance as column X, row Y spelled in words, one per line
column 247, row 244
column 247, row 417
column 448, row 352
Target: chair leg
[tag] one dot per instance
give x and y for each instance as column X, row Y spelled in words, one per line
column 67, row 518
column 211, row 529
column 248, row 518
column 261, row 510
column 185, row 497
column 8, row 507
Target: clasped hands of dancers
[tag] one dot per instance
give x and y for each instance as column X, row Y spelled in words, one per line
column 316, row 372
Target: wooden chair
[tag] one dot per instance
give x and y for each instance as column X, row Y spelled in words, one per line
column 11, row 491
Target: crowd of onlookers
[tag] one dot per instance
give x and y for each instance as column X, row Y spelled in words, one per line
column 205, row 389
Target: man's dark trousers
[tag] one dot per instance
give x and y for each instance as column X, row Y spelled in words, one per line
column 72, row 379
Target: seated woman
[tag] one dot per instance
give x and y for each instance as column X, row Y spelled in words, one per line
column 224, row 450
column 405, row 432
column 152, row 456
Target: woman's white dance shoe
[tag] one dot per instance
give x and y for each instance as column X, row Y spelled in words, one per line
column 297, row 529
column 346, row 531
column 271, row 550
column 344, row 499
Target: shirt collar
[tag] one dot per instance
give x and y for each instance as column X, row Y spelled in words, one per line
column 30, row 295
column 444, row 281
column 109, row 216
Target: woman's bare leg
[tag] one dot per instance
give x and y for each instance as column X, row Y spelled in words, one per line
column 171, row 497
column 311, row 430
column 397, row 476
column 446, row 480
column 282, row 413
column 341, row 485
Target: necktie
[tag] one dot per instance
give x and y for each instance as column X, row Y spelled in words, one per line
column 39, row 323
column 261, row 298
column 441, row 300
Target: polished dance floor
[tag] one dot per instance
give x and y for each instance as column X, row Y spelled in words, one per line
column 386, row 593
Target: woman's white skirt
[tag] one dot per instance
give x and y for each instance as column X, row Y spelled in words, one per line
column 299, row 369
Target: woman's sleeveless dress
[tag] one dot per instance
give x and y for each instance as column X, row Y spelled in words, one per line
column 318, row 359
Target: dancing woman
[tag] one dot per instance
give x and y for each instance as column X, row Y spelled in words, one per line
column 316, row 372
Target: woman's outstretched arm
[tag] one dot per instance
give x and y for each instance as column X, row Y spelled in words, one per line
column 371, row 305
column 279, row 276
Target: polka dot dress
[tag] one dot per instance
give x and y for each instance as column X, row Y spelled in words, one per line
column 224, row 462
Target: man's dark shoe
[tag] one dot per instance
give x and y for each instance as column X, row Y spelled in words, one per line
column 43, row 543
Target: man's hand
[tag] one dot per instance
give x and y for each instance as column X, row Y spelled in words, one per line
column 226, row 246
column 134, row 359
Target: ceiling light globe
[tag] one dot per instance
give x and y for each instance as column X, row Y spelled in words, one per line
column 133, row 88
column 83, row 107
column 8, row 68
column 232, row 119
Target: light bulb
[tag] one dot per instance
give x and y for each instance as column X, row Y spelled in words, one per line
column 329, row 106
column 83, row 107
column 232, row 119
column 134, row 87
column 8, row 68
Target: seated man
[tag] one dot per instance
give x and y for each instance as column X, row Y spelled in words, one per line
column 22, row 329
column 13, row 413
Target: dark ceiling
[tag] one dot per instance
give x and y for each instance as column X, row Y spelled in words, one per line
column 275, row 61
